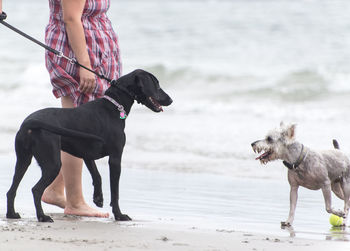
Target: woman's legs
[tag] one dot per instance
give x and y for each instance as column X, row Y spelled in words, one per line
column 69, row 179
column 54, row 193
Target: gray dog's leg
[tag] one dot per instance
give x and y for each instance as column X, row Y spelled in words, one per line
column 337, row 189
column 342, row 190
column 326, row 190
column 346, row 190
column 293, row 203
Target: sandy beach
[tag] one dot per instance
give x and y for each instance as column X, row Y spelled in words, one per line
column 173, row 211
column 76, row 233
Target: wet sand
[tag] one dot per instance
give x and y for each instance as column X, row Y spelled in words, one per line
column 79, row 233
column 173, row 211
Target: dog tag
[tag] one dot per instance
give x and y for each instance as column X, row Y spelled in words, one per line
column 122, row 115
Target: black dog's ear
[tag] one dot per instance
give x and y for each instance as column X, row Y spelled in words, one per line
column 143, row 77
column 154, row 79
column 139, row 84
column 137, row 88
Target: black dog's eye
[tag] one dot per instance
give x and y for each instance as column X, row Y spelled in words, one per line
column 269, row 139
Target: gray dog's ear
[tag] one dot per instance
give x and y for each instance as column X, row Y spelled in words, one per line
column 291, row 131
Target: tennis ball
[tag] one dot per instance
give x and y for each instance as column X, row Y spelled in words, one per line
column 335, row 220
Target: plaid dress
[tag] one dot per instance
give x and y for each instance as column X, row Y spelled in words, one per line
column 102, row 46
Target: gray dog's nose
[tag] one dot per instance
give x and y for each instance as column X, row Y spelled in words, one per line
column 253, row 144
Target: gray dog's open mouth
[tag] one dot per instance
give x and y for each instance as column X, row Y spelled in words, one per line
column 264, row 157
column 155, row 104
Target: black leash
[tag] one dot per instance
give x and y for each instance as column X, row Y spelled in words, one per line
column 58, row 53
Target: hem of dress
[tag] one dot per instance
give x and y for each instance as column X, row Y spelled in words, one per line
column 59, row 94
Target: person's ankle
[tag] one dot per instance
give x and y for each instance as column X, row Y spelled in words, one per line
column 53, row 197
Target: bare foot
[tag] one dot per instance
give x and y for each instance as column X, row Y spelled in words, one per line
column 53, row 198
column 85, row 210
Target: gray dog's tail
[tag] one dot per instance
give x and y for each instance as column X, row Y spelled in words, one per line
column 38, row 124
column 335, row 144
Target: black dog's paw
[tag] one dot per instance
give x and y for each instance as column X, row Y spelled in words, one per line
column 122, row 217
column 13, row 215
column 98, row 200
column 45, row 218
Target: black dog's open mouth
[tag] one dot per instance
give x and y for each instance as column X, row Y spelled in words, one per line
column 157, row 107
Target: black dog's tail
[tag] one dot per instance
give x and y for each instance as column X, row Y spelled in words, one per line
column 38, row 124
column 335, row 144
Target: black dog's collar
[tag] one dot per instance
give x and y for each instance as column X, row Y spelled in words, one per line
column 121, row 110
column 298, row 162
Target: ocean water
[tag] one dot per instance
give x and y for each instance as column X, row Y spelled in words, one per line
column 234, row 69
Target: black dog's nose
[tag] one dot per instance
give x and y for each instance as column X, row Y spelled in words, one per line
column 170, row 101
column 166, row 101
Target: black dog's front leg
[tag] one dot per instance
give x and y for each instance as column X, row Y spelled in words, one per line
column 114, row 173
column 96, row 182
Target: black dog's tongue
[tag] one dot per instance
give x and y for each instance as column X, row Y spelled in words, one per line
column 156, row 104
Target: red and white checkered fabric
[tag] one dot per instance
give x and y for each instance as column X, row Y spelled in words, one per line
column 102, row 46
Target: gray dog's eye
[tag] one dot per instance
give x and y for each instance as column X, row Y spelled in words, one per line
column 269, row 139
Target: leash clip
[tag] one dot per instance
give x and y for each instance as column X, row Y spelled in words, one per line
column 60, row 54
column 71, row 60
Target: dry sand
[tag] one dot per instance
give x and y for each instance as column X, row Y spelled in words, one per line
column 77, row 233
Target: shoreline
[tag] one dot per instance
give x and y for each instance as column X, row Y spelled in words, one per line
column 82, row 233
column 175, row 211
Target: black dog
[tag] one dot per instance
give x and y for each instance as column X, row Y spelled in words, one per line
column 91, row 131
